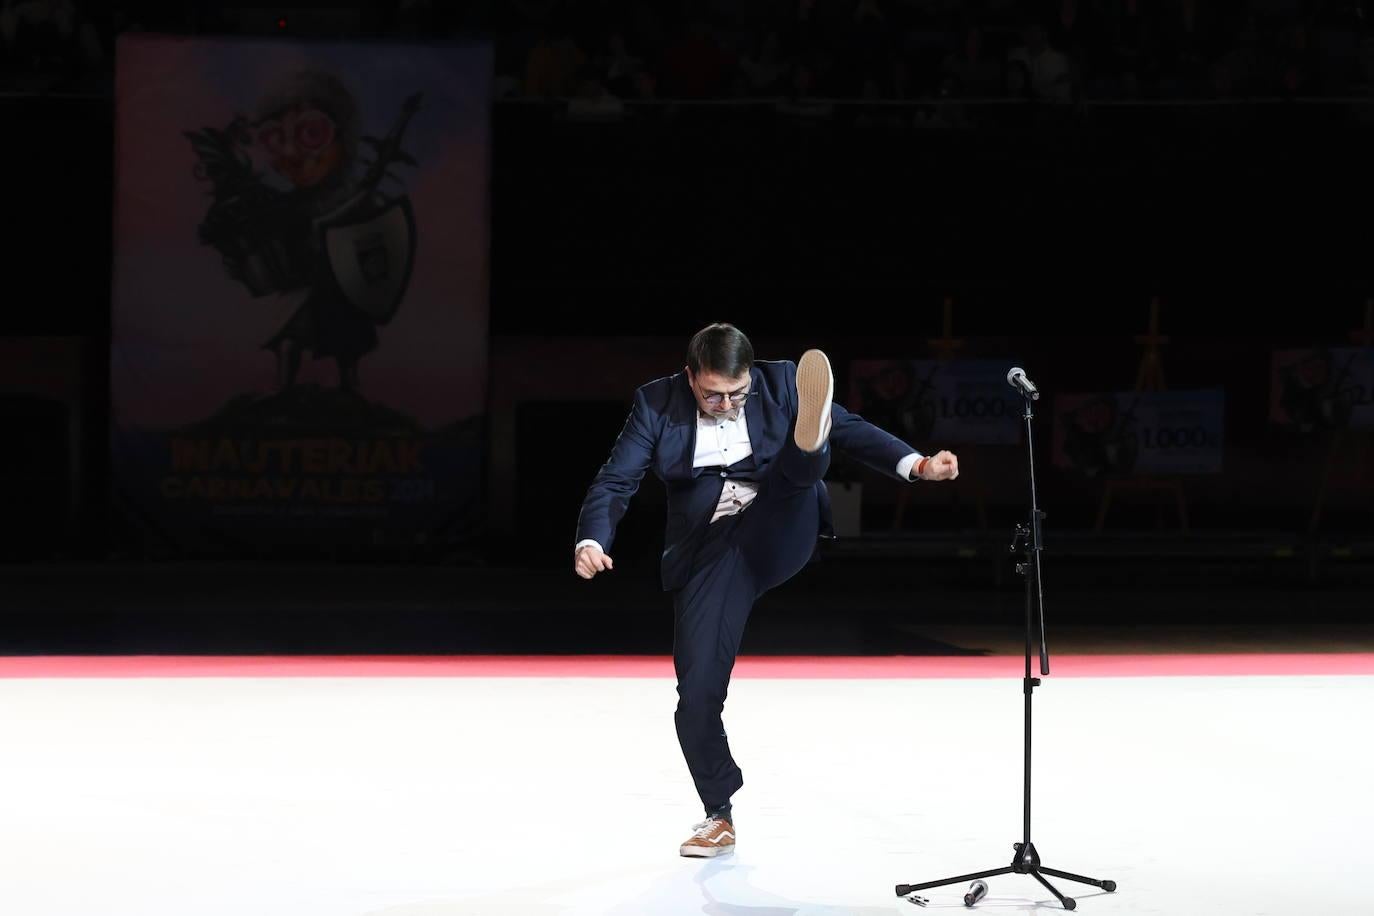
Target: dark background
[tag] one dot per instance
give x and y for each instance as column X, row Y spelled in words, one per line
column 833, row 198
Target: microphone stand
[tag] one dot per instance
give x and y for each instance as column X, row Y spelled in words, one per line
column 1026, row 860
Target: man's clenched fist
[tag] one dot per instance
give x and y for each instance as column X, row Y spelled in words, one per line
column 589, row 560
column 941, row 466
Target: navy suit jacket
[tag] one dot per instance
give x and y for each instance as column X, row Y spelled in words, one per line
column 661, row 434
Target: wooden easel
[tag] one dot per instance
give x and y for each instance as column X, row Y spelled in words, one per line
column 1363, row 337
column 1150, row 377
column 945, row 347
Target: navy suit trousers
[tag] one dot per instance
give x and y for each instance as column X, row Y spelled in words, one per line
column 736, row 560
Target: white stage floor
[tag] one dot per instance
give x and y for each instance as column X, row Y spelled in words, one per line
column 489, row 796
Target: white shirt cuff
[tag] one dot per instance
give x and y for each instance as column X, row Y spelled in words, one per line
column 581, row 544
column 906, row 464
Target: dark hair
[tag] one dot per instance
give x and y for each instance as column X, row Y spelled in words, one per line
column 720, row 348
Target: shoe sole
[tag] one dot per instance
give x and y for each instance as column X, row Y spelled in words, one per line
column 706, row 852
column 815, row 391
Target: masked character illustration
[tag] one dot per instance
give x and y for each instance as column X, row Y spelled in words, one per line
column 1099, row 439
column 1310, row 392
column 291, row 213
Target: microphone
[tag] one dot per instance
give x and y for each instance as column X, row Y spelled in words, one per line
column 976, row 891
column 1016, row 378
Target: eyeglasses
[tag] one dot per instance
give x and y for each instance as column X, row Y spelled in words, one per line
column 739, row 397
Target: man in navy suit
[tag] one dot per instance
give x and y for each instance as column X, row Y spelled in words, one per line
column 741, row 447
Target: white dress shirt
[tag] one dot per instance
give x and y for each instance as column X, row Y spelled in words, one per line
column 723, row 441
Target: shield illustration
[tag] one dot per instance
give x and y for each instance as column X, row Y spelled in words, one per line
column 371, row 258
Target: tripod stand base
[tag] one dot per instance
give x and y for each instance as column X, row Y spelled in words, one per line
column 1025, row 862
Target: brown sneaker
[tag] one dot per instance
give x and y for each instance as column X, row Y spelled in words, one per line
column 714, row 836
column 815, row 389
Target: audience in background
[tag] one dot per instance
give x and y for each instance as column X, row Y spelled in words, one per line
column 1054, row 51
